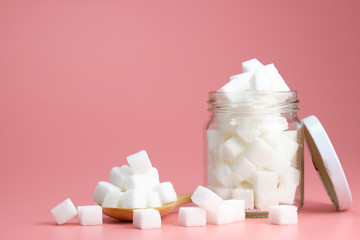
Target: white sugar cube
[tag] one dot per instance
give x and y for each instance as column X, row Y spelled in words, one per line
column 139, row 162
column 245, row 77
column 260, row 81
column 273, row 122
column 192, row 216
column 146, row 218
column 277, row 82
column 213, row 158
column 278, row 164
column 117, row 175
column 134, row 199
column 247, row 132
column 283, row 215
column 242, row 168
column 64, row 211
column 259, row 153
column 211, row 178
column 223, row 192
column 265, row 182
column 166, row 192
column 205, row 198
column 292, row 134
column 291, row 175
column 137, row 181
column 112, row 199
column 239, row 208
column 228, row 212
column 223, row 174
column 286, row 192
column 90, row 215
column 237, row 83
column 286, row 150
column 101, row 189
column 284, row 146
column 153, row 200
column 251, row 65
column 214, row 139
column 232, row 148
column 152, row 176
column 246, row 194
column 264, row 200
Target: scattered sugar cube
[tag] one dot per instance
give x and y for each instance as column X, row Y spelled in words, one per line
column 146, row 218
column 223, row 174
column 286, row 192
column 283, row 215
column 101, row 189
column 205, row 198
column 90, row 215
column 112, row 199
column 192, row 216
column 251, row 65
column 117, row 175
column 239, row 208
column 242, row 168
column 260, row 81
column 223, row 192
column 232, row 148
column 166, row 192
column 264, row 200
column 64, row 211
column 259, row 153
column 139, row 162
column 229, row 211
column 246, row 194
column 134, row 199
column 265, row 182
column 153, row 200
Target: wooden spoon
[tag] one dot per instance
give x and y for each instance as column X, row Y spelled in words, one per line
column 127, row 213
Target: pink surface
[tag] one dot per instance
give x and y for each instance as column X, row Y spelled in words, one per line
column 83, row 84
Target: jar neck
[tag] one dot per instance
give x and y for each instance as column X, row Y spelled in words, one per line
column 253, row 103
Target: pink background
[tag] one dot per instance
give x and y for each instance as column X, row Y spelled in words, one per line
column 83, row 84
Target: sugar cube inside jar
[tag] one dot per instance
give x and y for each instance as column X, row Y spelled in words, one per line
column 253, row 142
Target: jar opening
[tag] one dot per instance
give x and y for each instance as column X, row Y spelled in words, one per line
column 261, row 102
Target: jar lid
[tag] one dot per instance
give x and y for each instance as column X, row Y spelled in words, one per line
column 326, row 163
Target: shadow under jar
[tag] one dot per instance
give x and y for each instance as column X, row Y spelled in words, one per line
column 253, row 149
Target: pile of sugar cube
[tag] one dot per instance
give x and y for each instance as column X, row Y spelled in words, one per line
column 255, row 157
column 136, row 185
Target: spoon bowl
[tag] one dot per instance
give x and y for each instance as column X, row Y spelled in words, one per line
column 127, row 213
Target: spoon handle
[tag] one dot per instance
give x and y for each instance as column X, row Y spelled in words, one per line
column 183, row 199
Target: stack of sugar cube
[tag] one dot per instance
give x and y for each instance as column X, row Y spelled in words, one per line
column 136, row 185
column 211, row 209
column 254, row 157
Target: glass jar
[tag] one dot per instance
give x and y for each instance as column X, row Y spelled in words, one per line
column 253, row 149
